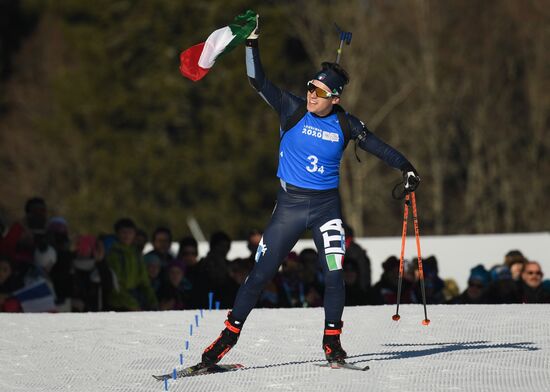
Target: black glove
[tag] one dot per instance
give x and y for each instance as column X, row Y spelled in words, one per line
column 411, row 179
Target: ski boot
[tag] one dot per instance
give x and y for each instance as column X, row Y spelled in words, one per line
column 334, row 352
column 227, row 339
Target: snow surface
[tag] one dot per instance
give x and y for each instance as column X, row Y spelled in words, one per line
column 465, row 348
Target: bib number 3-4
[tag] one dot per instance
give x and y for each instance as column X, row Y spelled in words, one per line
column 312, row 167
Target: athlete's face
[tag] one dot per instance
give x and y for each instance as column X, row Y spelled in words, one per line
column 317, row 105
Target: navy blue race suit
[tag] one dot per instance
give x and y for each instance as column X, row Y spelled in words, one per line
column 309, row 162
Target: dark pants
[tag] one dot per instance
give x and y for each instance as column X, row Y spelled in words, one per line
column 297, row 210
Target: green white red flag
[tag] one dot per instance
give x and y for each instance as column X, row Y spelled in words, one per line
column 196, row 61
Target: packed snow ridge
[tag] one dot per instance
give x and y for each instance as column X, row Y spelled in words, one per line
column 465, row 348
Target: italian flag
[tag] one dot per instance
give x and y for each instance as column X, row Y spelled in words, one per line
column 196, row 61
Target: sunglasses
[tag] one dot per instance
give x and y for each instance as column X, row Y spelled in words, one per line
column 319, row 91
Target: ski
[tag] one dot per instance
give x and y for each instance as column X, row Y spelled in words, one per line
column 342, row 365
column 199, row 370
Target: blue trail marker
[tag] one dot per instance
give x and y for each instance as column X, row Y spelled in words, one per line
column 181, row 359
column 210, row 299
column 190, row 329
column 187, row 344
column 165, row 384
column 174, row 374
column 201, row 314
column 196, row 320
column 217, row 305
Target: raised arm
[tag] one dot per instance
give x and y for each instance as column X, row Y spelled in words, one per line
column 282, row 101
column 272, row 94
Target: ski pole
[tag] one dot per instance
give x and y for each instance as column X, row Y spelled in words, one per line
column 426, row 321
column 396, row 316
column 345, row 36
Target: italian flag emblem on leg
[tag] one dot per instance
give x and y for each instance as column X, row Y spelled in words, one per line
column 196, row 61
column 334, row 261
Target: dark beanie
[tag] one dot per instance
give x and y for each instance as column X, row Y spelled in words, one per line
column 332, row 78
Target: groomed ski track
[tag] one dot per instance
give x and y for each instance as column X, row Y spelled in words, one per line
column 465, row 348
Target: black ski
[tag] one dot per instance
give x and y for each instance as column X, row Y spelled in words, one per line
column 342, row 365
column 199, row 370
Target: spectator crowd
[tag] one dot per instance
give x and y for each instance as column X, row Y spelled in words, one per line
column 42, row 269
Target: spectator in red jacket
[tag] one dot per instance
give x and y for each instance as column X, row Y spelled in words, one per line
column 19, row 242
column 8, row 284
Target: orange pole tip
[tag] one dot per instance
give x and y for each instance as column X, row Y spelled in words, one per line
column 395, row 317
column 426, row 322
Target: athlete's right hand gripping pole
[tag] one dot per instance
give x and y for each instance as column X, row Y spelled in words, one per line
column 345, row 36
column 426, row 321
